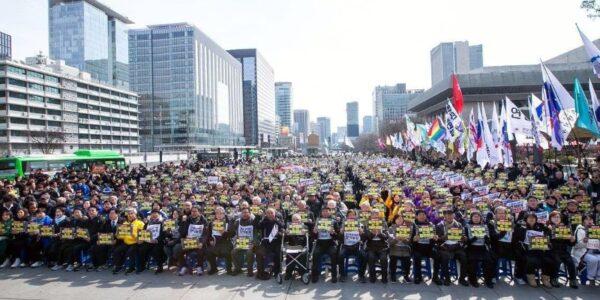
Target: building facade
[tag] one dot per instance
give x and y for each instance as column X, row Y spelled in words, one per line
column 285, row 103
column 301, row 124
column 91, row 37
column 390, row 103
column 324, row 129
column 5, row 46
column 457, row 57
column 190, row 88
column 352, row 126
column 50, row 97
column 367, row 125
column 259, row 97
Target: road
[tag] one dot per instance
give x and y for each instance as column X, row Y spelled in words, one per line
column 46, row 284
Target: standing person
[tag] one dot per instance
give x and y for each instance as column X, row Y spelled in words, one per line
column 80, row 243
column 560, row 251
column 194, row 227
column 501, row 241
column 128, row 247
column 60, row 251
column 5, row 237
column 376, row 237
column 325, row 234
column 99, row 252
column 271, row 229
column 400, row 248
column 422, row 242
column 450, row 248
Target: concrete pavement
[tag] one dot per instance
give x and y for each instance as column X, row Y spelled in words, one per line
column 45, row 284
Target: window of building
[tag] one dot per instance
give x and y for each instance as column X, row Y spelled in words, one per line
column 17, row 82
column 37, row 122
column 17, row 108
column 51, row 79
column 54, row 90
column 54, row 124
column 36, row 110
column 17, row 95
column 36, row 86
column 35, row 75
column 36, row 98
column 53, row 101
column 18, row 121
column 15, row 70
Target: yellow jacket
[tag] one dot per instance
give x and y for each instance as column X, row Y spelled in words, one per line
column 137, row 225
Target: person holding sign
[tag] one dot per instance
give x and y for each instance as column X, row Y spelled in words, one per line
column 153, row 248
column 532, row 243
column 195, row 227
column 500, row 230
column 451, row 246
column 219, row 242
column 81, row 240
column 423, row 239
column 128, row 243
column 18, row 243
column 296, row 237
column 102, row 249
column 376, row 240
column 5, row 235
column 399, row 241
column 38, row 244
column 244, row 230
column 325, row 233
column 587, row 248
column 351, row 245
column 561, row 242
column 478, row 251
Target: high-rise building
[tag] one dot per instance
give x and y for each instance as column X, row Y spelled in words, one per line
column 457, row 57
column 259, row 97
column 190, row 88
column 367, row 125
column 341, row 134
column 352, row 125
column 49, row 107
column 5, row 46
column 285, row 103
column 324, row 129
column 90, row 36
column 301, row 124
column 390, row 103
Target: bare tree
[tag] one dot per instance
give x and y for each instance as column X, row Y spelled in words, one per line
column 592, row 7
column 366, row 143
column 47, row 141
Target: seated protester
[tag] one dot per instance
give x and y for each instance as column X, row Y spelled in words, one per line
column 376, row 241
column 305, row 214
column 532, row 206
column 79, row 243
column 270, row 229
column 351, row 244
column 586, row 250
column 154, row 248
column 449, row 248
column 501, row 242
column 60, row 250
column 535, row 258
column 5, row 237
column 38, row 245
column 571, row 215
column 127, row 245
column 422, row 245
column 400, row 248
column 219, row 242
column 194, row 227
column 478, row 251
column 100, row 253
column 325, row 234
column 171, row 237
column 18, row 243
column 335, row 211
column 243, row 228
column 94, row 224
column 551, row 204
column 560, row 251
column 296, row 241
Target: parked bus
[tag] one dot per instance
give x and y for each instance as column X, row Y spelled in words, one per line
column 96, row 161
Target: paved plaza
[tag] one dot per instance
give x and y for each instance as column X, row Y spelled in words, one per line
column 45, row 284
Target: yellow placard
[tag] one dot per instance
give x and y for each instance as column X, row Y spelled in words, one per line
column 478, row 231
column 504, row 225
column 67, row 233
column 168, row 225
column 46, row 231
column 124, row 231
column 295, row 229
column 82, row 233
column 190, row 244
column 425, row 232
column 375, row 225
column 18, row 227
column 144, row 236
column 403, row 232
column 562, row 232
column 219, row 225
column 242, row 243
column 105, row 238
column 594, row 232
column 454, row 234
column 255, row 210
column 33, row 228
column 408, row 216
column 538, row 243
column 575, row 219
column 324, row 225
column 351, row 226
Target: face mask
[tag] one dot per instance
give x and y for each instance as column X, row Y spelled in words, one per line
column 234, row 202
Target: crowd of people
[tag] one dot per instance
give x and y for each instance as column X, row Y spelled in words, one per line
column 384, row 215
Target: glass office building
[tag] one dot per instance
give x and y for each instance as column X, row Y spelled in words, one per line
column 91, row 37
column 190, row 88
column 352, row 119
column 285, row 102
column 259, row 97
column 5, row 46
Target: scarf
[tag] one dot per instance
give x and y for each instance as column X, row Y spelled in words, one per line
column 59, row 219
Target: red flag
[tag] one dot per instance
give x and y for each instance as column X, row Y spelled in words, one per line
column 457, row 94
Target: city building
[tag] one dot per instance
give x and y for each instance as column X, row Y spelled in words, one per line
column 90, row 36
column 367, row 125
column 324, row 129
column 190, row 88
column 259, row 97
column 284, row 103
column 5, row 46
column 352, row 126
column 390, row 103
column 45, row 103
column 302, row 123
column 490, row 84
column 457, row 57
column 339, row 135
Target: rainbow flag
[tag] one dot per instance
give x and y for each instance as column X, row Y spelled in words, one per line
column 436, row 131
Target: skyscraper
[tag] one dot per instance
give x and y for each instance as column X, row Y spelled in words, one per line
column 390, row 103
column 90, row 36
column 457, row 57
column 367, row 125
column 259, row 97
column 285, row 102
column 5, row 46
column 352, row 119
column 301, row 124
column 324, row 129
column 190, row 88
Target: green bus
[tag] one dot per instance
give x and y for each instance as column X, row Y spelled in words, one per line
column 96, row 161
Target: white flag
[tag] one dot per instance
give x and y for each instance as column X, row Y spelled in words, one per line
column 348, row 142
column 482, row 154
column 504, row 139
column 453, row 123
column 496, row 132
column 489, row 142
column 517, row 123
column 592, row 51
column 595, row 103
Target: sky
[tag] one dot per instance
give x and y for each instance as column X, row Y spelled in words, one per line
column 337, row 51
